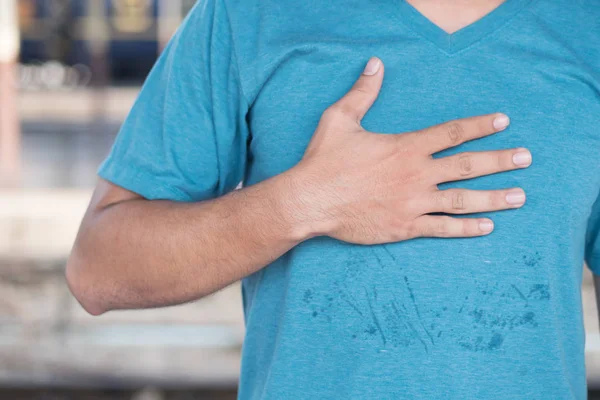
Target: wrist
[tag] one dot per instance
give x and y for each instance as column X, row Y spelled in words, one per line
column 300, row 201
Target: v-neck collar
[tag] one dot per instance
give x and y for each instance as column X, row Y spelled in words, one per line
column 465, row 37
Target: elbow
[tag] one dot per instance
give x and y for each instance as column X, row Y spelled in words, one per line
column 84, row 286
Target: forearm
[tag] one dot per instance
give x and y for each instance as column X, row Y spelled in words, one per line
column 139, row 253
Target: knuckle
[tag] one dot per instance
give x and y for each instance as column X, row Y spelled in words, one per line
column 455, row 132
column 496, row 199
column 500, row 161
column 504, row 160
column 362, row 90
column 414, row 206
column 409, row 143
column 346, row 110
column 402, row 231
column 458, row 201
column 419, row 134
column 471, row 227
column 336, row 108
column 338, row 113
column 331, row 113
column 413, row 231
column 440, row 199
column 423, row 229
column 444, row 168
column 465, row 164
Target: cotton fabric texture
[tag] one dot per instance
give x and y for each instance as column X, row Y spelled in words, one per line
column 237, row 95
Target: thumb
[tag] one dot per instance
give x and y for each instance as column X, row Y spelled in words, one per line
column 363, row 94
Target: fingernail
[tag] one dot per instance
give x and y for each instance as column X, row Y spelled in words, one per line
column 516, row 198
column 372, row 66
column 501, row 122
column 486, row 226
column 522, row 158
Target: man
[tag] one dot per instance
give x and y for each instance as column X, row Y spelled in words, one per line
column 347, row 306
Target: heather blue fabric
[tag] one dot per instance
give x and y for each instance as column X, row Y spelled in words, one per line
column 237, row 95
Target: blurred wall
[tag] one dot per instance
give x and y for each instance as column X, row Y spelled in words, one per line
column 79, row 70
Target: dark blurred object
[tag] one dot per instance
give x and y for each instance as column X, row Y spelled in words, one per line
column 60, row 38
column 59, row 30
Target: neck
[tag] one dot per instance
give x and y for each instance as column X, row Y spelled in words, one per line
column 453, row 15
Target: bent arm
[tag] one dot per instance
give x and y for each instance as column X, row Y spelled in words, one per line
column 134, row 253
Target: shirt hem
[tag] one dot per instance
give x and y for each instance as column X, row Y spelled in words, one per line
column 594, row 263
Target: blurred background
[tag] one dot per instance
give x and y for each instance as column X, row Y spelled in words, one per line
column 69, row 73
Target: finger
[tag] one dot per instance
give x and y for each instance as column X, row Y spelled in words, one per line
column 453, row 133
column 473, row 164
column 363, row 94
column 462, row 201
column 447, row 227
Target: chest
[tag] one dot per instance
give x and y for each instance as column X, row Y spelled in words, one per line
column 499, row 290
column 554, row 107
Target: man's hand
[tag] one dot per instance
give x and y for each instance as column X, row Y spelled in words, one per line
column 368, row 188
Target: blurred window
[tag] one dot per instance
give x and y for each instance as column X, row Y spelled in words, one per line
column 132, row 16
column 26, row 14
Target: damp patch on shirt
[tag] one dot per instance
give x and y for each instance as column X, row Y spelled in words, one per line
column 482, row 319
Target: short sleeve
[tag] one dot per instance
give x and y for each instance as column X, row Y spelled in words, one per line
column 592, row 247
column 185, row 138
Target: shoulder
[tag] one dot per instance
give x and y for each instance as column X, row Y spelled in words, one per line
column 276, row 15
column 569, row 14
column 261, row 31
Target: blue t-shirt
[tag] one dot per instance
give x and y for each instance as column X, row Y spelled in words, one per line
column 237, row 95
